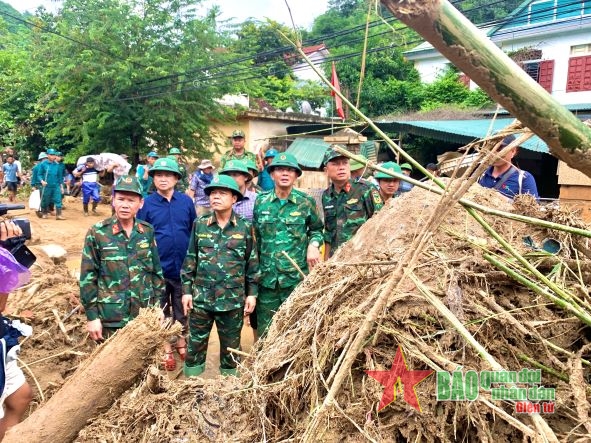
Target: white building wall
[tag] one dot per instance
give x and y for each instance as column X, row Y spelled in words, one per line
column 555, row 48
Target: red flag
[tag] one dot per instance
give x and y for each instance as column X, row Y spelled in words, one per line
column 334, row 80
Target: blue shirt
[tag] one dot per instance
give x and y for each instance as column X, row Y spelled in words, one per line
column 511, row 187
column 172, row 221
column 265, row 181
column 10, row 171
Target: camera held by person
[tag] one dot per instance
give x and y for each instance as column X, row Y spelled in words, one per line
column 16, row 244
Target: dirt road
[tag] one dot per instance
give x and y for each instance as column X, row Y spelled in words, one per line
column 70, row 235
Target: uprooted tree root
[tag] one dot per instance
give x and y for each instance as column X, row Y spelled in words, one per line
column 288, row 379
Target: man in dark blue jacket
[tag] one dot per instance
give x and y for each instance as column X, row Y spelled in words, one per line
column 172, row 214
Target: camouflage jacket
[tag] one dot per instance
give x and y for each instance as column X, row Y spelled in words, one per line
column 221, row 265
column 345, row 212
column 230, row 155
column 183, row 182
column 288, row 227
column 119, row 275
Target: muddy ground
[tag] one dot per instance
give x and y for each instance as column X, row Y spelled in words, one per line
column 50, row 355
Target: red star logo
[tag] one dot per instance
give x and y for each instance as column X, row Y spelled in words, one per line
column 399, row 374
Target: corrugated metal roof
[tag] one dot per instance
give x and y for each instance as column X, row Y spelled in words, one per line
column 310, row 151
column 464, row 131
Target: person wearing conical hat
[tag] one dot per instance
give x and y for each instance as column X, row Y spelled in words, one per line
column 220, row 277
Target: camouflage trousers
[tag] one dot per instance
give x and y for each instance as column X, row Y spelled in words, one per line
column 229, row 326
column 268, row 302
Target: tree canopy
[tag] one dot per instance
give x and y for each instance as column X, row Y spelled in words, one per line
column 126, row 75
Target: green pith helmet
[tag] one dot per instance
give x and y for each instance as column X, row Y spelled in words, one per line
column 236, row 166
column 285, row 159
column 223, row 182
column 390, row 166
column 252, row 167
column 332, row 153
column 152, row 154
column 51, row 151
column 165, row 164
column 355, row 165
column 238, row 133
column 406, row 166
column 174, row 151
column 129, row 183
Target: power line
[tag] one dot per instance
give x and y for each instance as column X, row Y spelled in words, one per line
column 73, row 40
column 235, row 74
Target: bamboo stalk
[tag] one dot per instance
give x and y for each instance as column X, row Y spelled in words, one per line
column 294, row 264
column 540, row 423
column 584, row 317
column 468, row 203
column 454, row 36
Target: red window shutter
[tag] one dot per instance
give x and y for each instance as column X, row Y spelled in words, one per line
column 465, row 80
column 546, row 74
column 579, row 74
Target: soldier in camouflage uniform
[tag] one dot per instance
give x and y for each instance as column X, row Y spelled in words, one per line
column 238, row 151
column 220, row 269
column 285, row 219
column 347, row 204
column 388, row 185
column 120, row 271
column 183, row 183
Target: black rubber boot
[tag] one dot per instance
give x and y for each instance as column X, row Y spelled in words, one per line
column 94, row 205
column 58, row 214
column 85, row 206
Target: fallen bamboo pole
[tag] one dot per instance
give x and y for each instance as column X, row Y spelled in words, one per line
column 97, row 383
column 462, row 43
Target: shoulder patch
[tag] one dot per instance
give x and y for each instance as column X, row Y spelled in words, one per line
column 377, row 199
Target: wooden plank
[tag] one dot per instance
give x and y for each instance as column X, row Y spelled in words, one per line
column 570, row 176
column 575, row 192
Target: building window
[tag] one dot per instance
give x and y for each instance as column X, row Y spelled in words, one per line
column 551, row 10
column 580, row 49
column 542, row 71
column 579, row 74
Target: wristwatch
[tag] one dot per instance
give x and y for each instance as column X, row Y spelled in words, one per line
column 315, row 244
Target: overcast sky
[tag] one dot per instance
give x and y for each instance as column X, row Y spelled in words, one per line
column 303, row 11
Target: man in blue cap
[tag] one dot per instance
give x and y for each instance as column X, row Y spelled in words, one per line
column 507, row 178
